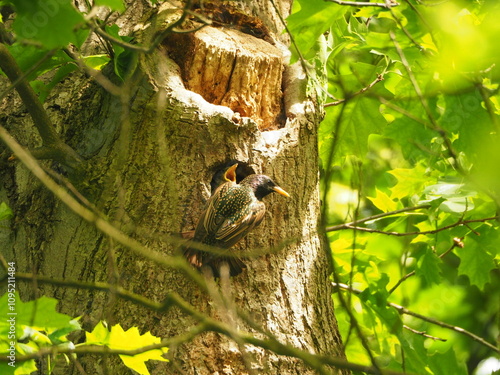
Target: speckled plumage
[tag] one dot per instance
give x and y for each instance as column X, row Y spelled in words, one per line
column 230, row 214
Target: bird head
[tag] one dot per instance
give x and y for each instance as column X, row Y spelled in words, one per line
column 262, row 185
column 230, row 174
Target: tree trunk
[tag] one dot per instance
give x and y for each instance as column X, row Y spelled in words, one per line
column 152, row 153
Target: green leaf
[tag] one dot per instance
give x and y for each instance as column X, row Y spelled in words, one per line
column 34, row 321
column 413, row 136
column 124, row 60
column 358, row 120
column 18, row 368
column 51, row 23
column 410, row 181
column 465, row 116
column 40, row 314
column 27, row 56
column 428, row 268
column 454, row 197
column 375, row 297
column 383, row 202
column 5, row 212
column 415, row 353
column 96, row 61
column 477, row 256
column 309, row 20
column 59, row 335
column 117, row 338
column 446, row 363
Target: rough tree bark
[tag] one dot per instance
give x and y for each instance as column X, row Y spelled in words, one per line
column 151, row 155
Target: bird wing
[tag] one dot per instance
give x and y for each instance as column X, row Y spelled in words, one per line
column 231, row 231
column 209, row 221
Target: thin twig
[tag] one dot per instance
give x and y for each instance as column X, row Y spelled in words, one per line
column 377, row 216
column 97, row 75
column 433, row 231
column 457, row 242
column 386, row 5
column 405, row 311
column 424, row 334
column 379, row 78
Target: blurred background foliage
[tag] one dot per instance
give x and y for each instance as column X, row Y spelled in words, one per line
column 410, row 158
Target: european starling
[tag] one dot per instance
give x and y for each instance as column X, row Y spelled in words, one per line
column 230, row 214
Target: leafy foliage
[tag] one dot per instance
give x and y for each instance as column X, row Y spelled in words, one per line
column 44, row 28
column 411, row 124
column 38, row 325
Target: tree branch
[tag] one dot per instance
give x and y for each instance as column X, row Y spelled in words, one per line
column 158, row 38
column 206, row 323
column 104, row 350
column 405, row 311
column 387, row 5
column 374, row 217
column 379, row 78
column 424, row 334
column 97, row 75
column 457, row 242
column 53, row 147
column 433, row 231
column 25, row 74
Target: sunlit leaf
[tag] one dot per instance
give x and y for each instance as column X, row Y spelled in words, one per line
column 40, row 314
column 96, row 61
column 36, row 324
column 383, row 202
column 119, row 339
column 310, row 20
column 410, row 181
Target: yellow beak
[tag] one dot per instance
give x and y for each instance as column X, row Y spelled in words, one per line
column 279, row 190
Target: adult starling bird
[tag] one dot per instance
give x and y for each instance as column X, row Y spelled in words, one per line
column 230, row 214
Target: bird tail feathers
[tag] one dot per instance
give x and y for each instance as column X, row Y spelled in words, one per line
column 199, row 259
